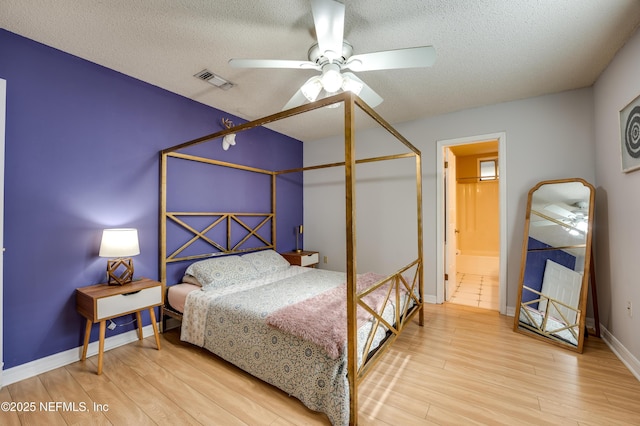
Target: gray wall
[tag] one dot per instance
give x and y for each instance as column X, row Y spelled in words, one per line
column 618, row 207
column 547, row 137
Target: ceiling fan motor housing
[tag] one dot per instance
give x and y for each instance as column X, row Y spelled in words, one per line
column 322, row 58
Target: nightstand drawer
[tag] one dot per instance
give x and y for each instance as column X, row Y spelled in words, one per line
column 309, row 259
column 302, row 258
column 118, row 304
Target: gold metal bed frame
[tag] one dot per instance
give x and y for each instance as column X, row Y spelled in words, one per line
column 354, row 299
column 571, row 326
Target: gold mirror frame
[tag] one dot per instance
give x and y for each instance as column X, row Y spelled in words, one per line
column 558, row 231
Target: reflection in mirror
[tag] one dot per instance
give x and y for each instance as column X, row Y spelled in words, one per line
column 555, row 262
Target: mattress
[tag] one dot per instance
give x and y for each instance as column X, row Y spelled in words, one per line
column 177, row 295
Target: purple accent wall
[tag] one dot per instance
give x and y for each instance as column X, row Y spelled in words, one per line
column 82, row 154
column 537, row 262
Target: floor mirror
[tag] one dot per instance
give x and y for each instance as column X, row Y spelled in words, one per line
column 556, row 258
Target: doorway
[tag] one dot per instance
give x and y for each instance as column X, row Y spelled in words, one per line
column 471, row 222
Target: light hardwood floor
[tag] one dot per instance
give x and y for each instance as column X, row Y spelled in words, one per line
column 466, row 366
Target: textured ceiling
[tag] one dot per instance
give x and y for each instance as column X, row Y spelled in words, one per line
column 488, row 51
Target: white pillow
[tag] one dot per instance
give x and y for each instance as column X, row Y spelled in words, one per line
column 190, row 279
column 267, row 261
column 223, row 271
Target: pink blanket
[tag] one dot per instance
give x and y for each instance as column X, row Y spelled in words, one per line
column 322, row 319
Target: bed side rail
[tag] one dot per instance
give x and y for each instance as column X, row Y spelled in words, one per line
column 555, row 305
column 398, row 286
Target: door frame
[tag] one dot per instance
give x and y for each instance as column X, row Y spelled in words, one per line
column 440, row 213
column 450, row 223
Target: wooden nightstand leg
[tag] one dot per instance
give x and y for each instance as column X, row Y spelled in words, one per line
column 152, row 314
column 139, row 321
column 87, row 334
column 103, row 326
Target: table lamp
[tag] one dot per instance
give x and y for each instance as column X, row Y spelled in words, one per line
column 119, row 244
column 299, row 231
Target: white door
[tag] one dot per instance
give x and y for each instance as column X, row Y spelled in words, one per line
column 562, row 284
column 3, row 115
column 452, row 231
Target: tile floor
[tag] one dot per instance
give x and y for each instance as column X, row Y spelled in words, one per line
column 480, row 291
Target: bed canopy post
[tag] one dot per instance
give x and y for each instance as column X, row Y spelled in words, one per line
column 352, row 305
column 163, row 220
column 420, row 243
column 273, row 209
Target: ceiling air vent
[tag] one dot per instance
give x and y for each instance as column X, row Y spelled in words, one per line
column 213, row 79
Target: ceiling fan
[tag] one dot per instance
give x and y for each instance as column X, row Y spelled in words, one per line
column 577, row 218
column 579, row 210
column 332, row 55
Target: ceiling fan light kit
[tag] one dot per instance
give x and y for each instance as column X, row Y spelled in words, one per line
column 312, row 88
column 351, row 85
column 332, row 82
column 331, row 78
column 331, row 55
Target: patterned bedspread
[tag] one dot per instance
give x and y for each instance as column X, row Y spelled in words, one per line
column 232, row 324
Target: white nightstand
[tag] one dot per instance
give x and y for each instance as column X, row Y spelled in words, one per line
column 100, row 302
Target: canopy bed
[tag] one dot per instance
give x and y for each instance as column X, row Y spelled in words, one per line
column 241, row 302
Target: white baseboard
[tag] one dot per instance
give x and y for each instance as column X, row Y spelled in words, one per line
column 621, row 352
column 430, row 299
column 51, row 362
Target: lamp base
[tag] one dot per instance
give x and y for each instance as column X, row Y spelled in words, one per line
column 119, row 271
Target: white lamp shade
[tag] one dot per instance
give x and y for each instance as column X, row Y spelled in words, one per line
column 119, row 242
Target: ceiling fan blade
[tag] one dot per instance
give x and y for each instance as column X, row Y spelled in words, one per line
column 272, row 63
column 540, row 223
column 296, row 100
column 328, row 18
column 412, row 57
column 366, row 93
column 560, row 211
